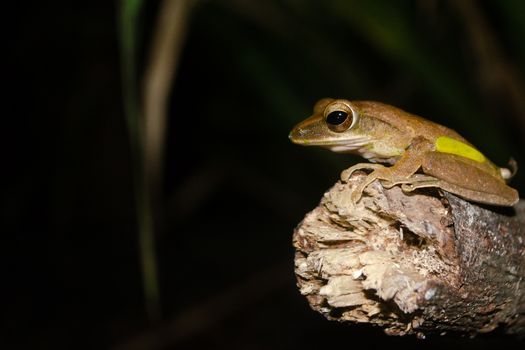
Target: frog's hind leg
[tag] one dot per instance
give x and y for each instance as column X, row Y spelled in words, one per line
column 475, row 196
column 456, row 175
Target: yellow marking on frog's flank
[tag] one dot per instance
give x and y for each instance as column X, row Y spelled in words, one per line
column 446, row 144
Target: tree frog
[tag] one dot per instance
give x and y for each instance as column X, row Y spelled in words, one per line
column 421, row 153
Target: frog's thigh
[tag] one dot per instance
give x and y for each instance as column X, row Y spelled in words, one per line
column 466, row 180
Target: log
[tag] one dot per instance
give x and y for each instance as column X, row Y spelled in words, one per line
column 413, row 263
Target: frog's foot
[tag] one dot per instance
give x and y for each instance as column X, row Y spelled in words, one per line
column 414, row 182
column 346, row 174
column 432, row 182
column 380, row 173
column 409, row 182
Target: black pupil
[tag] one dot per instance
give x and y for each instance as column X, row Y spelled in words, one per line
column 336, row 117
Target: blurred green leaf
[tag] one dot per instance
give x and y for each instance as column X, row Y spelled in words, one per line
column 130, row 11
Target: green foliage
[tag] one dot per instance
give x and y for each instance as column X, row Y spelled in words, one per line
column 129, row 19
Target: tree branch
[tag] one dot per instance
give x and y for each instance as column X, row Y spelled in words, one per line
column 413, row 263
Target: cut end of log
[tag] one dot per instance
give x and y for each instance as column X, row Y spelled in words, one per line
column 392, row 259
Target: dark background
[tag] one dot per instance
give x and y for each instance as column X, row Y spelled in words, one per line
column 234, row 186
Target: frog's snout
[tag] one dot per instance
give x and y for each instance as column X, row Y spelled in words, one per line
column 297, row 135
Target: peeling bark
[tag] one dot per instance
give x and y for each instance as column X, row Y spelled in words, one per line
column 413, row 263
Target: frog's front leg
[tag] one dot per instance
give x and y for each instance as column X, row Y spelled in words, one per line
column 400, row 172
column 347, row 173
column 397, row 173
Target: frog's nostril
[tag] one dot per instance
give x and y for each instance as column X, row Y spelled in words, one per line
column 297, row 135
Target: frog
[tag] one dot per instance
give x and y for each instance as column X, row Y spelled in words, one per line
column 404, row 150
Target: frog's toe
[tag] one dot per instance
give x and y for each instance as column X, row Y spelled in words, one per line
column 408, row 187
column 347, row 173
column 388, row 184
column 355, row 197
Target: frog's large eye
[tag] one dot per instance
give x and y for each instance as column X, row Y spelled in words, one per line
column 339, row 117
column 336, row 118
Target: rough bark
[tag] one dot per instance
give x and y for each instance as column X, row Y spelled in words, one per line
column 413, row 263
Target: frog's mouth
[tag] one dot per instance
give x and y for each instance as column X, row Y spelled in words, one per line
column 335, row 144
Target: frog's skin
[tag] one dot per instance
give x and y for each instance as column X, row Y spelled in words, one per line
column 410, row 144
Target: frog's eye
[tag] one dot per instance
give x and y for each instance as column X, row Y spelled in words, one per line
column 339, row 117
column 336, row 118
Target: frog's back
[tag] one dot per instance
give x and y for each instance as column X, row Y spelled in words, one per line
column 411, row 123
column 444, row 139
